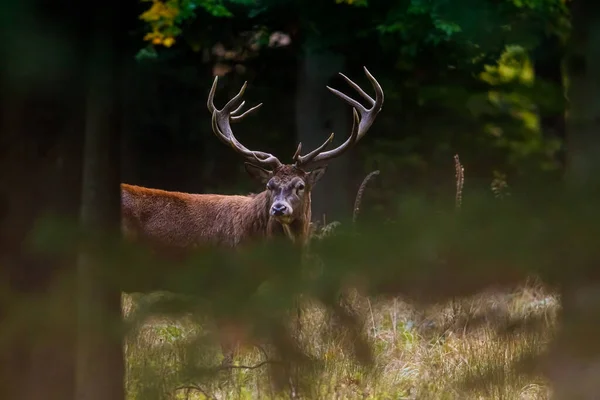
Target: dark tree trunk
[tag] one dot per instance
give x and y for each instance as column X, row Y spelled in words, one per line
column 318, row 113
column 548, row 60
column 100, row 359
column 582, row 90
column 575, row 353
column 40, row 154
column 41, row 139
column 37, row 311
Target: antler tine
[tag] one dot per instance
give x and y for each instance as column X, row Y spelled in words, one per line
column 222, row 128
column 230, row 140
column 360, row 125
column 357, row 88
column 211, row 105
column 236, row 118
column 211, row 96
column 303, row 159
column 237, row 110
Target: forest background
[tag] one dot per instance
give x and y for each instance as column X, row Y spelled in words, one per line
column 117, row 93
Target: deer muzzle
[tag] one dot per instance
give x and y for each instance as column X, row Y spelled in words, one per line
column 282, row 211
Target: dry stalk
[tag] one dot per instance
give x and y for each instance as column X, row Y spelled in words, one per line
column 360, row 193
column 460, row 180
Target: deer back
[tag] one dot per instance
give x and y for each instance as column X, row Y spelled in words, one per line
column 183, row 220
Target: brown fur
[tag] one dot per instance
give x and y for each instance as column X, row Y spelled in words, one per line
column 174, row 220
column 172, row 223
column 184, row 220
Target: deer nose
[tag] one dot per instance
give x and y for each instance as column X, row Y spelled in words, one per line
column 279, row 209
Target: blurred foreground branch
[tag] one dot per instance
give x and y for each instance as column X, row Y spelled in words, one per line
column 427, row 257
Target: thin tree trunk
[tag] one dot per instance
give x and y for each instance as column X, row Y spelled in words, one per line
column 100, row 363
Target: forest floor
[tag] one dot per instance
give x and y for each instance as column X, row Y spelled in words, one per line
column 466, row 349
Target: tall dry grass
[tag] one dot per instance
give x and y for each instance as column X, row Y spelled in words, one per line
column 482, row 347
column 467, row 349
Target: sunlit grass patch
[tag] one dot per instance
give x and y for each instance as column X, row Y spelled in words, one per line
column 473, row 348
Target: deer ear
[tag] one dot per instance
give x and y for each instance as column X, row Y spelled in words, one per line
column 316, row 174
column 260, row 174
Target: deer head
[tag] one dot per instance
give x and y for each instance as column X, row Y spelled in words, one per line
column 290, row 185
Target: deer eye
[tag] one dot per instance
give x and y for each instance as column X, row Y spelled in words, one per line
column 300, row 187
column 270, row 186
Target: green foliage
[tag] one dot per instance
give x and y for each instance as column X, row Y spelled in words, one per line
column 470, row 64
column 166, row 17
column 512, row 81
column 472, row 25
column 408, row 21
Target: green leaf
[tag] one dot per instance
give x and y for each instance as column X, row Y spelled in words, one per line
column 146, row 53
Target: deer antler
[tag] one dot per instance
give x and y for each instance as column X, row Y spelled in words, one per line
column 221, row 124
column 360, row 126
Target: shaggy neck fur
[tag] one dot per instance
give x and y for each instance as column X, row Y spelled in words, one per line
column 297, row 231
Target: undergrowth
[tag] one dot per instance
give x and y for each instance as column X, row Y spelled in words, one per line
column 481, row 347
column 467, row 349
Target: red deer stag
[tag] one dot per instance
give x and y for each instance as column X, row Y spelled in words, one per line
column 182, row 221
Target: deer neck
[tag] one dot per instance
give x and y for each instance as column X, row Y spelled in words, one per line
column 297, row 231
column 259, row 216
